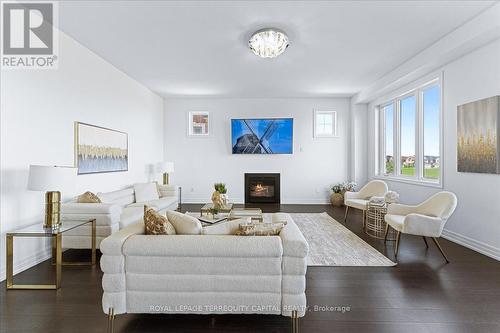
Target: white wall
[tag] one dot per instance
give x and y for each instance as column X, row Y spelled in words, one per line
column 476, row 222
column 473, row 34
column 305, row 175
column 38, row 109
column 358, row 143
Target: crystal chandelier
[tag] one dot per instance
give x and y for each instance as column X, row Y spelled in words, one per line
column 268, row 43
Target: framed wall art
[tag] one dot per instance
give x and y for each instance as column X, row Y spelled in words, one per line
column 199, row 123
column 478, row 148
column 99, row 149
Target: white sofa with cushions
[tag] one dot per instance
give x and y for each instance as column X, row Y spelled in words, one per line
column 117, row 210
column 205, row 273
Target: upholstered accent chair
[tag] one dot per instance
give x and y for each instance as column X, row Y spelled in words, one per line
column 426, row 219
column 359, row 200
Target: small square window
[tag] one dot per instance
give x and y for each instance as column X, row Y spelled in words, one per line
column 325, row 124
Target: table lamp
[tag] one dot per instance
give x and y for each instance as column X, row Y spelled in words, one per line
column 165, row 168
column 51, row 179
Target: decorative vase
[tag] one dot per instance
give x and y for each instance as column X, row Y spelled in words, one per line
column 224, row 198
column 391, row 197
column 216, row 199
column 337, row 199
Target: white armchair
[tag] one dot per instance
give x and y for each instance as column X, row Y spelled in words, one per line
column 359, row 200
column 426, row 219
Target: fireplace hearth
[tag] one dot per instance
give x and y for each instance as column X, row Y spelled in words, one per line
column 262, row 188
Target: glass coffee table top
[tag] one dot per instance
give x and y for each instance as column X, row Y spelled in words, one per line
column 253, row 213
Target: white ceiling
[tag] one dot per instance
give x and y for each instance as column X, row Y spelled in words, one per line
column 199, row 48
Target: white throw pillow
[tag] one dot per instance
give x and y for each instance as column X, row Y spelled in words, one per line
column 184, row 224
column 226, row 227
column 145, row 192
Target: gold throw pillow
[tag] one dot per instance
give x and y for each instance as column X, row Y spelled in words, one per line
column 88, row 197
column 260, row 229
column 157, row 224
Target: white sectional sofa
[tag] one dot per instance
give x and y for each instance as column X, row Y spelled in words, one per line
column 117, row 210
column 205, row 274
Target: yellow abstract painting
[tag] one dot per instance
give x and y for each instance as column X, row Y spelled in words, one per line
column 477, row 128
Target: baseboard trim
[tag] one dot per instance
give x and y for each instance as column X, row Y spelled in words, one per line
column 201, row 200
column 307, row 201
column 295, row 201
column 21, row 265
column 472, row 244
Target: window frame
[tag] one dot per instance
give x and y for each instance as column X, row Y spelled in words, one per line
column 398, row 100
column 418, row 92
column 383, row 137
column 334, row 124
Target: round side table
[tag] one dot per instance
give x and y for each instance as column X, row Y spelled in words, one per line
column 375, row 222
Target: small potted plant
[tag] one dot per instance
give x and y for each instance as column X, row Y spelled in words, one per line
column 349, row 187
column 337, row 197
column 214, row 211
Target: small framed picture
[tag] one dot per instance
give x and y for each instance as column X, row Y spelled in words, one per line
column 325, row 124
column 198, row 123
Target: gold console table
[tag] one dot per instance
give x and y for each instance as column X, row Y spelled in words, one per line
column 38, row 231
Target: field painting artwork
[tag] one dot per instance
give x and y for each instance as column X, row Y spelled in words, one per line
column 100, row 149
column 478, row 125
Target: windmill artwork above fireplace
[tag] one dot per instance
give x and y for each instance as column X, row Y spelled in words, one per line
column 262, row 188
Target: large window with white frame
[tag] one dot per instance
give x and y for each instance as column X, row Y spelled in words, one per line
column 410, row 135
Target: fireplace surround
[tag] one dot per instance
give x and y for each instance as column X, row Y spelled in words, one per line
column 262, row 188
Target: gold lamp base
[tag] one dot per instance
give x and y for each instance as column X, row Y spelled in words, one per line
column 52, row 209
column 165, row 178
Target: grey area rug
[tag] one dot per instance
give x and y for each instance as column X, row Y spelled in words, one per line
column 332, row 244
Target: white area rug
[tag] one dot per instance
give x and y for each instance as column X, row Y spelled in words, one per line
column 332, row 244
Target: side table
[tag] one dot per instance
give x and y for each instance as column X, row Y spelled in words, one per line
column 37, row 231
column 375, row 222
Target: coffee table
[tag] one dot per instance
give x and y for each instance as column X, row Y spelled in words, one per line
column 253, row 213
column 224, row 209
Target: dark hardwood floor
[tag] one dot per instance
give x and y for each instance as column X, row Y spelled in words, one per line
column 420, row 294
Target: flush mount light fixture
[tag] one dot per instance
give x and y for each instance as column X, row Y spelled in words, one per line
column 268, row 42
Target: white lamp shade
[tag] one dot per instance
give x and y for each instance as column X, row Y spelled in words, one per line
column 51, row 178
column 165, row 167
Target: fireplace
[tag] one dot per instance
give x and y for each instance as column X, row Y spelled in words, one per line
column 262, row 188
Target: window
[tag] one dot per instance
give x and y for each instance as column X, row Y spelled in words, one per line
column 410, row 135
column 325, row 124
column 431, row 102
column 389, row 139
column 407, row 134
